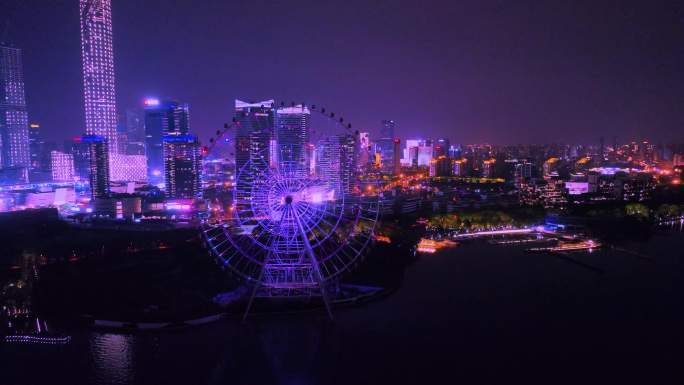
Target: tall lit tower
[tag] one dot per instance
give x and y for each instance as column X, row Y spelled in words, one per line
column 14, row 135
column 98, row 73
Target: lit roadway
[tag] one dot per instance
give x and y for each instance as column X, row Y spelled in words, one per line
column 495, row 232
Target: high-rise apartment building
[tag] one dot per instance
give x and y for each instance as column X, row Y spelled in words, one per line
column 14, row 134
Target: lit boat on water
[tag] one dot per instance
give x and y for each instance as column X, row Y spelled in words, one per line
column 585, row 245
column 40, row 335
column 37, row 339
column 430, row 245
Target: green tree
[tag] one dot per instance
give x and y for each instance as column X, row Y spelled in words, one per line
column 637, row 210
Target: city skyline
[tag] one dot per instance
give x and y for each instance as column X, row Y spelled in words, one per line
column 346, row 192
column 598, row 77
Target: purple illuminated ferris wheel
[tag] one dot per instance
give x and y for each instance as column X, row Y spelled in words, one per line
column 297, row 220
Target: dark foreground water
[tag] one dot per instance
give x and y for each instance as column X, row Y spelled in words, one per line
column 479, row 313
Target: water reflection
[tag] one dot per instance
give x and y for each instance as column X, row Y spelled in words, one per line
column 112, row 356
column 280, row 351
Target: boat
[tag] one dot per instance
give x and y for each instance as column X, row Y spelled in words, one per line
column 38, row 339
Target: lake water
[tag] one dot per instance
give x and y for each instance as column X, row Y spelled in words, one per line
column 479, row 313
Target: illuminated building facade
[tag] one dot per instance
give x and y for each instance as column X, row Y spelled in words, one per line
column 254, row 140
column 390, row 158
column 488, row 168
column 35, row 145
column 39, row 149
column 98, row 153
column 98, row 73
column 336, row 163
column 441, row 166
column 441, row 148
column 522, row 172
column 131, row 168
column 292, row 133
column 14, row 133
column 182, row 166
column 424, row 154
column 364, row 150
column 162, row 118
column 550, row 167
column 410, row 152
column 61, row 166
column 461, row 167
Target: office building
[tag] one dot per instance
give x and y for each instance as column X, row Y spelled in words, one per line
column 14, row 128
column 441, row 148
column 98, row 154
column 36, row 143
column 364, row 150
column 424, row 154
column 162, row 118
column 182, row 166
column 461, row 167
column 335, row 164
column 292, row 133
column 80, row 152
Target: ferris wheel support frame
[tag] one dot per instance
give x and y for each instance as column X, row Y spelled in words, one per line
column 314, row 265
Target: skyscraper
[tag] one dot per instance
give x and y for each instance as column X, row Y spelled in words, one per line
column 98, row 152
column 292, row 134
column 98, row 73
column 14, row 136
column 182, row 165
column 162, row 118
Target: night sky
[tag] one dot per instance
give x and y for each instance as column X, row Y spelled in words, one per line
column 480, row 71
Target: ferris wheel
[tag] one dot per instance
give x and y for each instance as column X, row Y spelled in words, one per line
column 294, row 229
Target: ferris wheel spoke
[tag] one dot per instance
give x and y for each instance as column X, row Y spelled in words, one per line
column 270, row 240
